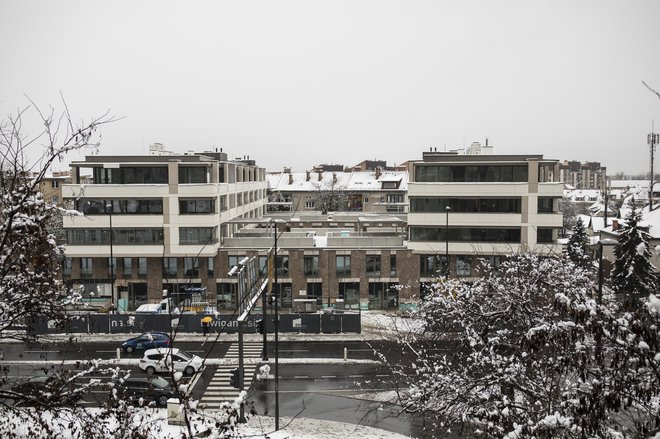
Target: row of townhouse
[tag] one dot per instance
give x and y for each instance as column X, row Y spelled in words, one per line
column 185, row 221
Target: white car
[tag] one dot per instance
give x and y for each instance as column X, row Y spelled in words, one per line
column 162, row 359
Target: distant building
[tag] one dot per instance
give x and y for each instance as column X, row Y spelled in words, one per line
column 588, row 175
column 365, row 191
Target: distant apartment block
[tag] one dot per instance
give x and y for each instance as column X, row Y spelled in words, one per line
column 375, row 191
column 588, row 175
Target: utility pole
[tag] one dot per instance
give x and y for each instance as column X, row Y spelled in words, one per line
column 277, row 328
column 112, row 263
column 447, row 209
column 652, row 139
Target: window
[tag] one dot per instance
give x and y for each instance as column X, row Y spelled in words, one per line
column 263, row 265
column 282, row 265
column 239, row 199
column 466, row 205
column 463, row 173
column 196, row 235
column 120, row 207
column 315, row 291
column 227, row 295
column 223, row 203
column 545, row 205
column 54, row 183
column 86, row 270
column 544, row 235
column 433, row 265
column 343, row 265
column 119, row 236
column 190, row 267
column 373, row 265
column 233, row 261
column 67, row 267
column 142, row 267
column 126, row 267
column 204, row 205
column 112, row 267
column 463, row 266
column 460, row 234
column 311, row 265
column 392, row 265
column 310, row 203
column 209, row 266
column 192, row 174
column 169, row 267
column 132, row 175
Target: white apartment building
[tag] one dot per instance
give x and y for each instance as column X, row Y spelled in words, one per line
column 168, row 216
column 473, row 206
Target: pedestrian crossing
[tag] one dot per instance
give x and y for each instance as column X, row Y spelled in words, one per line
column 219, row 390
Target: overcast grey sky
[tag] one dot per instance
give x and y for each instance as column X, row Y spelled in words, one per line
column 297, row 83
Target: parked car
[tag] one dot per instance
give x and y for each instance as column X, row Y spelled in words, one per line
column 162, row 360
column 49, row 388
column 148, row 340
column 149, row 389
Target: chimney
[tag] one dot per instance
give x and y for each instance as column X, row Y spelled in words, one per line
column 334, row 177
column 290, row 178
column 306, row 175
column 377, row 172
column 615, row 224
column 320, row 174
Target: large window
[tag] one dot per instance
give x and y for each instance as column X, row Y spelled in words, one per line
column 463, row 265
column 127, row 266
column 460, row 234
column 169, row 267
column 210, row 261
column 465, row 205
column 204, row 205
column 67, row 267
column 119, row 236
column 373, row 265
column 86, row 269
column 192, row 174
column 126, row 175
column 544, row 235
column 142, row 267
column 546, row 205
column 433, row 265
column 191, row 267
column 282, row 265
column 463, row 173
column 343, row 266
column 311, row 265
column 120, row 207
column 227, row 295
column 393, row 265
column 196, row 235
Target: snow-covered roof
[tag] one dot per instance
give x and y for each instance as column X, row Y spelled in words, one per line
column 357, row 181
column 582, row 194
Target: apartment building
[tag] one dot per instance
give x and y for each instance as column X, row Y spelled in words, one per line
column 344, row 260
column 375, row 191
column 588, row 175
column 163, row 217
column 472, row 206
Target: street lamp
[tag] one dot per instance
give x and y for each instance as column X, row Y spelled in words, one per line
column 447, row 209
column 112, row 261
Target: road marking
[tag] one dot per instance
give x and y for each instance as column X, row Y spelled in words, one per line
column 356, row 376
column 38, row 352
column 382, row 375
column 360, row 350
column 328, row 376
column 301, row 376
column 294, row 350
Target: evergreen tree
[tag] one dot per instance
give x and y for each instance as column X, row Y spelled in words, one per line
column 633, row 275
column 578, row 245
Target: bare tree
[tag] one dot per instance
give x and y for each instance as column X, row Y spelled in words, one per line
column 330, row 196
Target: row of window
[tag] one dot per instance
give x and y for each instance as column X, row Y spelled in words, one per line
column 465, row 205
column 121, row 236
column 170, row 267
column 438, row 265
column 466, row 174
column 464, row 234
column 159, row 175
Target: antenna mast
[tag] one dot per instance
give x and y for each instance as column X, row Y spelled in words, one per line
column 652, row 139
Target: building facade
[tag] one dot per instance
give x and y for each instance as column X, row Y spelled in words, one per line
column 163, row 218
column 588, row 175
column 463, row 207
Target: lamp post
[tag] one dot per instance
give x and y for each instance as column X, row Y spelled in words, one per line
column 277, row 328
column 599, row 297
column 447, row 209
column 112, row 262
